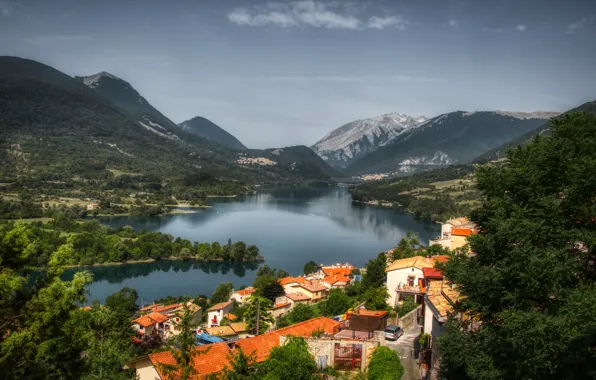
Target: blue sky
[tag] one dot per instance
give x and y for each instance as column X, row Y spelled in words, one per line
column 287, row 72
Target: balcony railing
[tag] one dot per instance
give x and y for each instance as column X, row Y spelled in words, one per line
column 405, row 288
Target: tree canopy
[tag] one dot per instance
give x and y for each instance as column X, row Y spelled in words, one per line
column 531, row 282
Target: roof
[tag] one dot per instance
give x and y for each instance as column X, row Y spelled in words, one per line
column 246, row 292
column 297, row 297
column 288, row 280
column 161, row 309
column 432, row 273
column 336, row 278
column 220, row 331
column 230, row 317
column 416, row 262
column 458, row 221
column 150, row 307
column 330, row 271
column 261, row 345
column 219, row 306
column 312, row 287
column 441, row 295
column 462, row 231
column 213, row 361
column 239, row 327
column 150, row 319
column 280, row 305
column 370, row 313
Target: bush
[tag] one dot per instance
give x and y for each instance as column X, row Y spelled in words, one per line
column 385, row 365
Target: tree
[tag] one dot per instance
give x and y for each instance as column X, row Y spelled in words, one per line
column 266, row 271
column 299, row 313
column 268, row 287
column 222, row 293
column 337, row 303
column 531, row 281
column 310, row 267
column 123, row 302
column 241, row 366
column 183, row 349
column 375, row 272
column 256, row 315
column 385, row 365
column 291, row 359
column 282, row 273
column 407, row 247
column 376, row 298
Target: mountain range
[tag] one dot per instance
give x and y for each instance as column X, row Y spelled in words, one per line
column 358, row 138
column 57, row 128
column 455, row 137
column 205, row 128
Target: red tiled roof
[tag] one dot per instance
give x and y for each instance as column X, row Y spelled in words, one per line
column 215, row 360
column 297, row 296
column 167, row 307
column 434, row 273
column 219, row 306
column 330, row 271
column 371, row 313
column 262, row 345
column 288, row 280
column 336, row 278
column 150, row 307
column 313, row 287
column 136, row 340
column 280, row 305
column 462, row 231
column 150, row 319
column 246, row 292
column 230, row 317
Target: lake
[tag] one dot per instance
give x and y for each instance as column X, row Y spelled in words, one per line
column 290, row 227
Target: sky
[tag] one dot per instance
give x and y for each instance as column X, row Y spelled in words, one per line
column 287, row 72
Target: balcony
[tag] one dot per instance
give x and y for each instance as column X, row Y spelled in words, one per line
column 413, row 289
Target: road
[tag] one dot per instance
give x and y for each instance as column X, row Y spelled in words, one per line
column 403, row 346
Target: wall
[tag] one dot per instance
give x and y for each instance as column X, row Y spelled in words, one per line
column 145, row 370
column 401, row 275
column 428, row 319
column 220, row 314
column 458, row 241
column 409, row 321
column 281, row 311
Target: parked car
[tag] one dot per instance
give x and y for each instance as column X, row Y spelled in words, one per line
column 393, row 332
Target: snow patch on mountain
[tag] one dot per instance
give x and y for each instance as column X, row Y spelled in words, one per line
column 364, row 136
column 439, row 158
column 167, row 135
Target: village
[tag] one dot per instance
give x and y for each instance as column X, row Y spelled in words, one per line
column 346, row 341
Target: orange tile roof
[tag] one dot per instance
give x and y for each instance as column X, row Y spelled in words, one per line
column 432, row 273
column 370, row 313
column 167, row 307
column 458, row 221
column 416, row 262
column 86, row 308
column 330, row 271
column 150, row 307
column 288, row 280
column 336, row 278
column 297, row 296
column 219, row 306
column 215, row 360
column 462, row 231
column 220, row 331
column 159, row 318
column 312, row 286
column 144, row 321
column 239, row 327
column 262, row 345
column 441, row 295
column 280, row 305
column 230, row 317
column 246, row 292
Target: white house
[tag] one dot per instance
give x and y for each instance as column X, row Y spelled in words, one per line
column 217, row 312
column 240, row 296
column 406, row 277
column 150, row 324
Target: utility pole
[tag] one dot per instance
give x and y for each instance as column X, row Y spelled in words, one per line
column 258, row 316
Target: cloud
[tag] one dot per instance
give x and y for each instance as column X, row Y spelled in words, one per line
column 329, row 15
column 520, row 28
column 453, row 23
column 576, row 26
column 8, row 8
column 43, row 39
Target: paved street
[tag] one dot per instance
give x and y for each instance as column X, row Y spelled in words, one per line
column 404, row 346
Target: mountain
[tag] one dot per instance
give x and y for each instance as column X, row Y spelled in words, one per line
column 58, row 131
column 121, row 94
column 452, row 138
column 544, row 129
column 205, row 128
column 358, row 138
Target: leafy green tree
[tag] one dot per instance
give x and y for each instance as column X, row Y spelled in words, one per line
column 375, row 272
column 310, row 267
column 531, row 282
column 282, row 273
column 183, row 349
column 123, row 302
column 337, row 303
column 256, row 314
column 268, row 287
column 385, row 365
column 408, row 304
column 299, row 313
column 292, row 359
column 266, row 271
column 409, row 246
column 221, row 293
column 376, row 298
column 241, row 366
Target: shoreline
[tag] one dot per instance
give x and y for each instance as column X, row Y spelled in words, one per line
column 117, row 263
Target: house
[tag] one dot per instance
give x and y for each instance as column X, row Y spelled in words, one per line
column 240, row 296
column 217, row 355
column 241, row 329
column 230, row 317
column 174, row 315
column 336, row 281
column 150, row 324
column 338, row 269
column 313, row 289
column 289, row 282
column 293, row 299
column 225, row 332
column 280, row 309
column 217, row 312
column 406, row 277
column 92, row 206
column 454, row 233
column 365, row 321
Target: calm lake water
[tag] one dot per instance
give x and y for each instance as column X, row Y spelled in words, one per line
column 290, row 227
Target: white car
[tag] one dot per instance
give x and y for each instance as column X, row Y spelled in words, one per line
column 393, row 332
